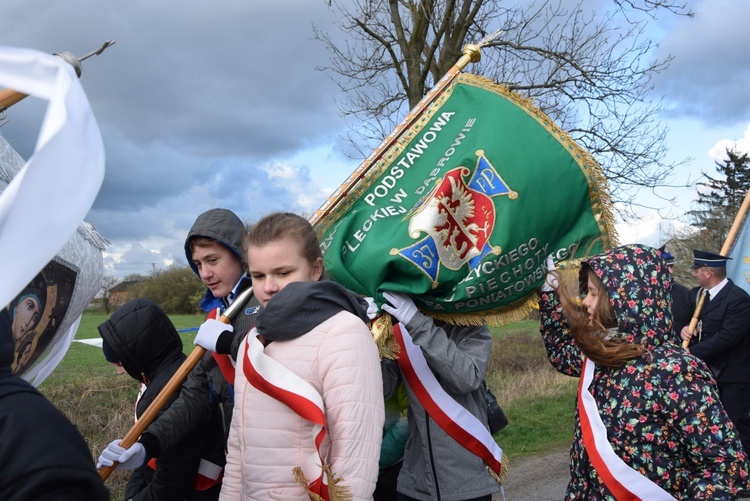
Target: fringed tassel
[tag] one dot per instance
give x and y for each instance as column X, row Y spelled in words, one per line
column 299, row 477
column 382, row 332
column 514, row 312
column 336, row 492
column 504, row 463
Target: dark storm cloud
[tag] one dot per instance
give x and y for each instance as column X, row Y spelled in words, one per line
column 195, row 101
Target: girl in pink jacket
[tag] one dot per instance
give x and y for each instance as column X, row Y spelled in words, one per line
column 308, row 413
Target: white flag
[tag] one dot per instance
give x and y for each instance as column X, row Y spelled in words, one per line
column 47, row 200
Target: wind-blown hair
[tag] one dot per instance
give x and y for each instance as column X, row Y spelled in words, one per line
column 598, row 340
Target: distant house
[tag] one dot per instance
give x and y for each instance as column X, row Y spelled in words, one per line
column 121, row 293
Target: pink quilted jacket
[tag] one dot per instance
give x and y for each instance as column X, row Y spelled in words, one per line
column 268, row 440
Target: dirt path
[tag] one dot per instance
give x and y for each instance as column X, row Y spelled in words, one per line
column 540, row 478
column 537, row 478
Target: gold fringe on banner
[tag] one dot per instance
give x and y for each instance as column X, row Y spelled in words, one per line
column 382, row 327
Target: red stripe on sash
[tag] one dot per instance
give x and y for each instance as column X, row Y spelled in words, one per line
column 209, row 474
column 612, row 470
column 615, row 487
column 299, row 404
column 202, row 482
column 225, row 366
column 434, row 409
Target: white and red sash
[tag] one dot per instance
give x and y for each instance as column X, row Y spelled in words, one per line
column 452, row 417
column 622, row 481
column 208, row 474
column 272, row 378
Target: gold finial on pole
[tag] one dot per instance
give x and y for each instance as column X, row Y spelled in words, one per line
column 474, row 52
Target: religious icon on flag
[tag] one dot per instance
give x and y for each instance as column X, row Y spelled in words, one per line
column 38, row 311
column 46, row 311
column 463, row 209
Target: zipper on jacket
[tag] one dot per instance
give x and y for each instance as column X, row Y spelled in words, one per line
column 432, row 459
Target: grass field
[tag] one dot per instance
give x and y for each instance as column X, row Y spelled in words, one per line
column 538, row 402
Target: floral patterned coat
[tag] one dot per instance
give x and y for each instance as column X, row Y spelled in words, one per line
column 661, row 410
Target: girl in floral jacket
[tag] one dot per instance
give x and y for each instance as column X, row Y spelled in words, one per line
column 649, row 423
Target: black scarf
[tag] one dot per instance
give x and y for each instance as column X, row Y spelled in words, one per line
column 300, row 306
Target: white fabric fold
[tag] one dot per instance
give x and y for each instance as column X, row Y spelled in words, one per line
column 48, row 199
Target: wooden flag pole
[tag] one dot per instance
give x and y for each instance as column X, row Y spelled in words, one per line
column 696, row 316
column 471, row 53
column 9, row 97
column 728, row 244
column 173, row 384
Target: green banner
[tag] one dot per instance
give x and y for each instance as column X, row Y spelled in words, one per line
column 462, row 211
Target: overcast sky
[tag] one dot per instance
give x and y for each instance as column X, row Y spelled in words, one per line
column 222, row 105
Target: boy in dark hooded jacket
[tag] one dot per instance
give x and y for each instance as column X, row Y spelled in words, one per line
column 213, row 248
column 140, row 336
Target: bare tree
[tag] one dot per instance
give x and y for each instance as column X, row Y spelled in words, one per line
column 108, row 282
column 589, row 71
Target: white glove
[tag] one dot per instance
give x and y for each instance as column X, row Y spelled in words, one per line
column 209, row 333
column 129, row 459
column 372, row 308
column 401, row 307
column 550, row 282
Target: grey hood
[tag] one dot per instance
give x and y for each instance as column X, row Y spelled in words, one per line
column 223, row 226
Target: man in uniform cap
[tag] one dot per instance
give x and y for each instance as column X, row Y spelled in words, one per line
column 681, row 311
column 722, row 338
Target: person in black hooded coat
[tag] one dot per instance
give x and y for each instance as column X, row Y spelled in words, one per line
column 42, row 454
column 142, row 338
